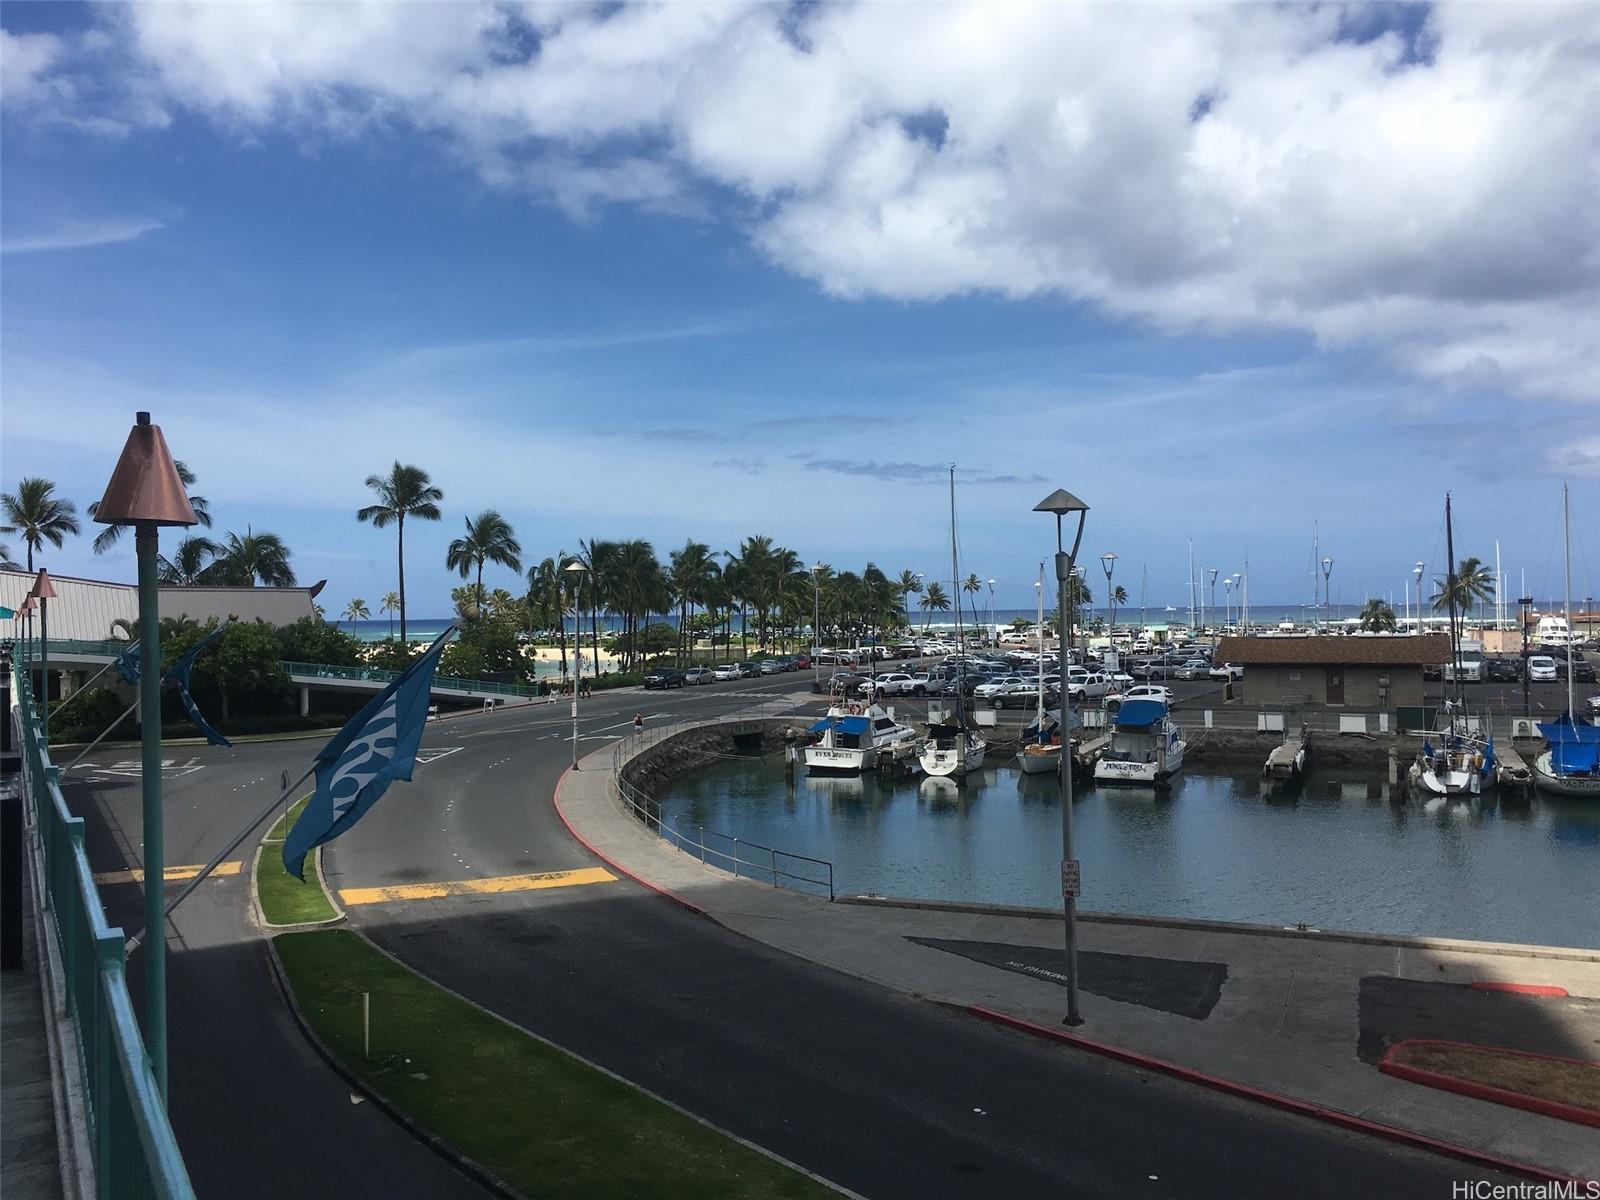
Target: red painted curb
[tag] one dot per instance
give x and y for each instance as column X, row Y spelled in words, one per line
column 1485, row 1091
column 616, row 866
column 1520, row 989
column 1305, row 1108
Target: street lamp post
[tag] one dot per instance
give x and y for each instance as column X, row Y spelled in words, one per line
column 1327, row 574
column 1527, row 701
column 816, row 623
column 991, row 607
column 1227, row 602
column 145, row 492
column 1416, row 571
column 578, row 571
column 1060, row 503
column 43, row 592
column 1108, row 562
column 1213, row 598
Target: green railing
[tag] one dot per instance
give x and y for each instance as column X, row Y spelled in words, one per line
column 135, row 1152
column 374, row 675
column 28, row 648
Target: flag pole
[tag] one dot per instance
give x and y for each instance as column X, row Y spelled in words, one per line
column 80, row 691
column 216, row 860
column 104, row 734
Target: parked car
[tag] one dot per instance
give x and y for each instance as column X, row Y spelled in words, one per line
column 1195, row 668
column 802, row 662
column 1092, row 686
column 1143, row 692
column 664, row 677
column 727, row 671
column 699, row 675
column 1503, row 670
column 1017, row 690
column 1582, row 669
column 840, row 681
column 1594, row 705
column 994, row 685
column 749, row 669
column 770, row 666
column 1226, row 671
column 895, row 683
column 1542, row 669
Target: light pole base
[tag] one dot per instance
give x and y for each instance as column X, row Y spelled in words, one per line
column 1072, row 1021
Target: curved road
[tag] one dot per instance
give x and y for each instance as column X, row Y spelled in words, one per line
column 884, row 1094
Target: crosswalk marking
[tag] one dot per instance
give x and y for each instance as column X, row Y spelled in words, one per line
column 170, row 874
column 476, row 887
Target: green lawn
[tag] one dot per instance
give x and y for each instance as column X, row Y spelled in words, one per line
column 284, row 899
column 542, row 1121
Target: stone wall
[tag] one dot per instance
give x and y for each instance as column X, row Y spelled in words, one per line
column 653, row 766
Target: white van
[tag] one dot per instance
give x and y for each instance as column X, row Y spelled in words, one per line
column 1542, row 669
column 1472, row 667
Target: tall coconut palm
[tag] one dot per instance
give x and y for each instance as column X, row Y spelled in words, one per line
column 692, row 573
column 111, row 534
column 639, row 587
column 405, row 492
column 355, row 611
column 971, row 586
column 255, row 558
column 597, row 557
column 390, row 604
column 489, row 539
column 188, row 563
column 547, row 599
column 1472, row 583
column 34, row 512
column 933, row 600
column 1378, row 617
column 910, row 584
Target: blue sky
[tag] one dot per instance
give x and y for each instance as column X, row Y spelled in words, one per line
column 751, row 303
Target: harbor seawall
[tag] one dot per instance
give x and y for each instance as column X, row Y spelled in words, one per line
column 655, row 764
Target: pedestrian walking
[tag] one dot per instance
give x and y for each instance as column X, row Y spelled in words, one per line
column 638, row 723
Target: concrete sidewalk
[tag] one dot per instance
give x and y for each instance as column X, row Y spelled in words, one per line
column 1299, row 1014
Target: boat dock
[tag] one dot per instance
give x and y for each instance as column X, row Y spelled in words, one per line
column 1288, row 761
column 1511, row 771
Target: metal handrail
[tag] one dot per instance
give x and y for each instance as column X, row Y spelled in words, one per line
column 646, row 810
column 378, row 675
column 135, row 1151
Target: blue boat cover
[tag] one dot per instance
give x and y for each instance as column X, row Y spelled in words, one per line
column 1575, row 758
column 1568, row 730
column 822, row 725
column 1140, row 714
column 854, row 724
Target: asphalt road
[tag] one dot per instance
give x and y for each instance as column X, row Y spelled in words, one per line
column 885, row 1094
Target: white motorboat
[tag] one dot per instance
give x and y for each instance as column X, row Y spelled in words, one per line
column 1146, row 747
column 851, row 737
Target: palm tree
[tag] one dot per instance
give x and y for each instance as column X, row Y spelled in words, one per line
column 972, row 585
column 35, row 513
column 254, row 558
column 109, row 536
column 489, row 539
column 596, row 556
column 5, row 556
column 910, row 584
column 1119, row 595
column 1377, row 617
column 355, row 611
column 1472, row 583
column 405, row 492
column 933, row 600
column 692, row 574
column 390, row 604
column 188, row 562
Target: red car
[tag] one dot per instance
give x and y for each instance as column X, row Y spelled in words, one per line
column 802, row 662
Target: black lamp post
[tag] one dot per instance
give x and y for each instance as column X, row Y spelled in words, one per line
column 1061, row 502
column 1527, row 701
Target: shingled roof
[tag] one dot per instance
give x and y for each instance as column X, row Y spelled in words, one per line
column 1424, row 650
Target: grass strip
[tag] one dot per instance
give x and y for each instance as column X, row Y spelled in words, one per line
column 1564, row 1081
column 284, row 899
column 539, row 1119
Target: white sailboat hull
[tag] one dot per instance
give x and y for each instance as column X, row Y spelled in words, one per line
column 951, row 763
column 1039, row 760
column 1141, row 774
column 1586, row 787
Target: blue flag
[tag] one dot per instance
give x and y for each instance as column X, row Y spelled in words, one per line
column 377, row 746
column 179, row 674
column 127, row 664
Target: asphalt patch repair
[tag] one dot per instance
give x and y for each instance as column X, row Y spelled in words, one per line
column 1179, row 986
column 1397, row 1010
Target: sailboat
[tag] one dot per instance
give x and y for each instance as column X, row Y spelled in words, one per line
column 1462, row 764
column 1571, row 766
column 953, row 748
column 1040, row 751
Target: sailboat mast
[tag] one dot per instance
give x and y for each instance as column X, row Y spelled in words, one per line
column 1566, row 543
column 955, row 590
column 1450, row 592
column 1039, row 587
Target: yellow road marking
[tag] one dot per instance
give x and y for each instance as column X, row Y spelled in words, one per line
column 476, row 887
column 170, row 874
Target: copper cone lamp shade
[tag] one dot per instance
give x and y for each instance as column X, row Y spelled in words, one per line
column 27, row 606
column 145, row 487
column 42, row 587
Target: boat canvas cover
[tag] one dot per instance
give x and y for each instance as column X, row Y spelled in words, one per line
column 1140, row 714
column 1574, row 746
column 846, row 725
column 1569, row 730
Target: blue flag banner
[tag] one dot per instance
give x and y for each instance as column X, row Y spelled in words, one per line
column 179, row 674
column 127, row 664
column 377, row 746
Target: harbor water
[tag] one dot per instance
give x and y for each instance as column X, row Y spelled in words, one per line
column 1343, row 852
